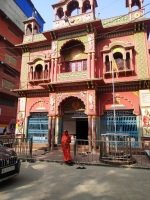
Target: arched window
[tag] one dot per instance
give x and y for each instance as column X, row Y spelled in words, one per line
column 127, row 60
column 86, row 7
column 35, row 30
column 46, row 72
column 118, row 57
column 30, row 74
column 60, row 13
column 72, row 9
column 29, row 29
column 107, row 63
column 39, row 72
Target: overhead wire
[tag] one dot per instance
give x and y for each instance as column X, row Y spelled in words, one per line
column 103, row 35
column 120, row 26
column 119, row 17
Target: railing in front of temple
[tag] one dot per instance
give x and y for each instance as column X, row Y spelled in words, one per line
column 127, row 153
column 22, row 146
column 133, row 154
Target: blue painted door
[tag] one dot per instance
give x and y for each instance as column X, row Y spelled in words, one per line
column 38, row 127
column 126, row 123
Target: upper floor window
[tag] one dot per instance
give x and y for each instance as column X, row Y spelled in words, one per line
column 76, row 66
column 38, row 72
column 29, row 29
column 72, row 8
column 86, row 6
column 118, row 57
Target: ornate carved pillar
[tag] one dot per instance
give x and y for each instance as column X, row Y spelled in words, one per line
column 93, row 66
column 89, row 65
column 53, row 133
column 131, row 60
column 48, row 69
column 25, row 127
column 94, row 132
column 55, row 70
column 58, row 130
column 130, row 8
column 90, row 132
column 43, row 72
column 34, row 73
column 32, row 28
column 49, row 132
column 141, row 3
column 124, row 64
column 52, row 69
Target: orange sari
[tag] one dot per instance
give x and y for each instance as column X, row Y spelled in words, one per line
column 65, row 141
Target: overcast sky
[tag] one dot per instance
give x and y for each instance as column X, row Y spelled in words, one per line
column 106, row 8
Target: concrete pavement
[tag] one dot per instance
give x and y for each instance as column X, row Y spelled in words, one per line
column 54, row 181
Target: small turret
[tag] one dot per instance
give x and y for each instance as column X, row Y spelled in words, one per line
column 31, row 26
column 132, row 3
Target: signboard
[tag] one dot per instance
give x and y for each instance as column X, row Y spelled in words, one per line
column 144, row 98
column 75, row 115
column 145, row 110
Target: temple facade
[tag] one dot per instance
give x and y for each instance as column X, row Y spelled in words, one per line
column 74, row 76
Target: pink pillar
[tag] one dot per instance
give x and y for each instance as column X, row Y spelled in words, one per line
column 89, row 65
column 93, row 66
column 55, row 70
column 94, row 132
column 131, row 63
column 48, row 68
column 90, row 132
column 52, row 69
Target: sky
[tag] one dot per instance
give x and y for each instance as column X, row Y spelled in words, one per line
column 107, row 9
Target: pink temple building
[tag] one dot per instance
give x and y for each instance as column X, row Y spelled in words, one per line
column 66, row 74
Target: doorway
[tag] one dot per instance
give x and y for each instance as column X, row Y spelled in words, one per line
column 82, row 129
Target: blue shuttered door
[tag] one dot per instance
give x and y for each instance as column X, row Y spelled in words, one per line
column 126, row 123
column 38, row 127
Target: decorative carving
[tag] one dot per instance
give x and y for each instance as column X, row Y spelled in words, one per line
column 72, row 75
column 90, row 42
column 142, row 66
column 52, row 103
column 117, row 99
column 54, row 49
column 62, row 96
column 115, row 21
column 75, row 54
column 82, row 39
column 38, row 37
column 91, row 101
column 24, row 73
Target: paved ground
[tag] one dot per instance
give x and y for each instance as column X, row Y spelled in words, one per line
column 53, row 181
column 57, row 155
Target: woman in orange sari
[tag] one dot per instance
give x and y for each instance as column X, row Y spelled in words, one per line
column 65, row 141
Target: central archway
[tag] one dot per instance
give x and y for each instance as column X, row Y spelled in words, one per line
column 74, row 118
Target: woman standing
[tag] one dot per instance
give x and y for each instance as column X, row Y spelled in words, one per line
column 65, row 141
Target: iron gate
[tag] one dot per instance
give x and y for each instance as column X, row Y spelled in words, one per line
column 38, row 127
column 126, row 123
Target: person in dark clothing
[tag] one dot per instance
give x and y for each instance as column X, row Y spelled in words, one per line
column 4, row 131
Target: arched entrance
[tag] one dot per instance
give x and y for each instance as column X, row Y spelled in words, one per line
column 74, row 118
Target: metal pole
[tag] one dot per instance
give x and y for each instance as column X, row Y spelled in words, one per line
column 114, row 110
column 114, row 100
